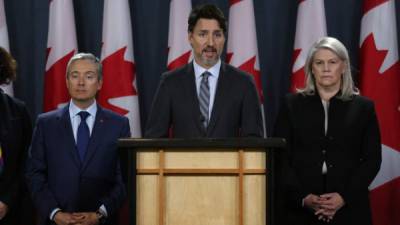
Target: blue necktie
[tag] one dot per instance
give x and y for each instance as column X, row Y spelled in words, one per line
column 204, row 98
column 83, row 135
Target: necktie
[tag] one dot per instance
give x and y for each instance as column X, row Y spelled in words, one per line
column 82, row 135
column 204, row 98
column 1, row 160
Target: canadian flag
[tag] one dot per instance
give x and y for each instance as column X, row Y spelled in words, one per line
column 119, row 92
column 180, row 51
column 380, row 81
column 4, row 43
column 61, row 46
column 242, row 49
column 310, row 26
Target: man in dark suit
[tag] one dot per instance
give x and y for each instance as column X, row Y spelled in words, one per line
column 73, row 168
column 15, row 136
column 205, row 98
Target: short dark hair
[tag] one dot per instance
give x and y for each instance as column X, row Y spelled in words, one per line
column 207, row 11
column 8, row 67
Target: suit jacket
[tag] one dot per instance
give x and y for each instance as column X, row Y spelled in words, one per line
column 56, row 176
column 236, row 110
column 351, row 149
column 15, row 135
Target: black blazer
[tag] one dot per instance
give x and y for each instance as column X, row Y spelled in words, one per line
column 15, row 135
column 351, row 149
column 236, row 111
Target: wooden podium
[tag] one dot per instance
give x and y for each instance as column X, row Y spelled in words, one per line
column 199, row 181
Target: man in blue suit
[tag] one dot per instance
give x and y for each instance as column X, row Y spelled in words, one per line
column 73, row 169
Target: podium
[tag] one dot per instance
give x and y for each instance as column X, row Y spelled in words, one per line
column 199, row 181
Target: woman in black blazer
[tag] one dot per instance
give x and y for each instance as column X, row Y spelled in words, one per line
column 333, row 144
column 15, row 135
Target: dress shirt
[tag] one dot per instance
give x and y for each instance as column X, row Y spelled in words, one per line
column 75, row 121
column 212, row 81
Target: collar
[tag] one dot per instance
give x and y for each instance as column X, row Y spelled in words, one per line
column 74, row 110
column 199, row 70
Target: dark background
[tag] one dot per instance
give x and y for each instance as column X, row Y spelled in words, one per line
column 275, row 21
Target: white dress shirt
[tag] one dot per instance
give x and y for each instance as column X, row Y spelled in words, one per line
column 212, row 81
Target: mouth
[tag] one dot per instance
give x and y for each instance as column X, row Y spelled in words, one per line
column 210, row 51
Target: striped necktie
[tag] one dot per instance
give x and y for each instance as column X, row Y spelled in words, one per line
column 204, row 98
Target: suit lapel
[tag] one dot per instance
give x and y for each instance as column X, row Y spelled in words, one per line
column 67, row 133
column 221, row 94
column 189, row 84
column 95, row 137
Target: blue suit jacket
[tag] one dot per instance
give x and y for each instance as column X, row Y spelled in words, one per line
column 56, row 176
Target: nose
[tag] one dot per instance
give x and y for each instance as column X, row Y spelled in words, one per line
column 326, row 66
column 81, row 80
column 210, row 40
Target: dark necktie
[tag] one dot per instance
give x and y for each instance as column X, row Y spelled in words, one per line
column 204, row 98
column 83, row 135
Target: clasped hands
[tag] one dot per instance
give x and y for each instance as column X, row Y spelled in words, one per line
column 324, row 206
column 81, row 218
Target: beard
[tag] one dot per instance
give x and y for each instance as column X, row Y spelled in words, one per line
column 209, row 61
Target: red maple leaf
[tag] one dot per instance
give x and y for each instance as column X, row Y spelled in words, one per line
column 383, row 89
column 232, row 2
column 385, row 203
column 180, row 61
column 298, row 77
column 249, row 67
column 55, row 90
column 368, row 5
column 118, row 77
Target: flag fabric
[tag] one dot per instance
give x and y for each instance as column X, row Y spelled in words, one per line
column 380, row 81
column 4, row 43
column 119, row 92
column 310, row 26
column 61, row 46
column 179, row 50
column 242, row 51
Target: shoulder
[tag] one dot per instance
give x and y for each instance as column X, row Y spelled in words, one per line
column 111, row 115
column 54, row 114
column 14, row 104
column 177, row 73
column 294, row 98
column 364, row 102
column 236, row 74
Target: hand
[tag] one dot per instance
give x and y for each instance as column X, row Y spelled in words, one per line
column 64, row 218
column 89, row 218
column 3, row 210
column 312, row 201
column 330, row 203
